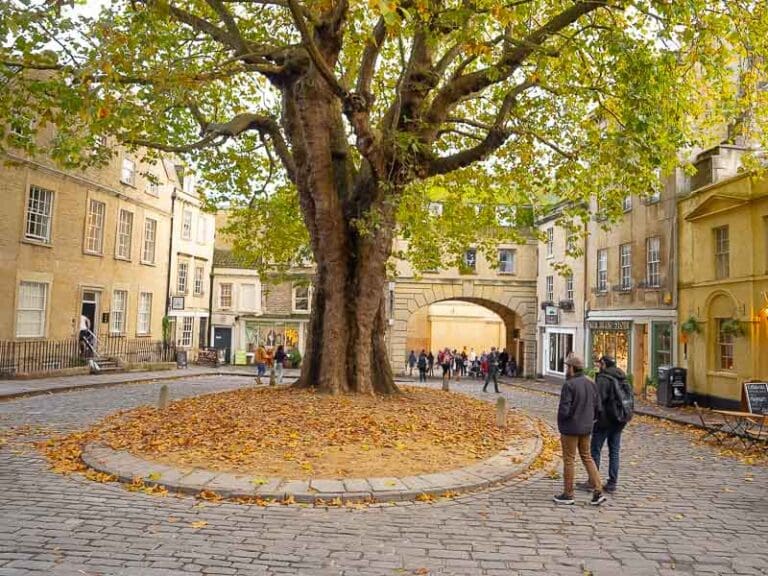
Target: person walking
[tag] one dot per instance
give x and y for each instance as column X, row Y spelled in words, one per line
column 261, row 360
column 446, row 360
column 464, row 360
column 576, row 414
column 431, row 363
column 493, row 368
column 411, row 362
column 422, row 364
column 279, row 363
column 617, row 405
column 84, row 335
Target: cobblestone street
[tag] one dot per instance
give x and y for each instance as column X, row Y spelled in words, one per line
column 680, row 509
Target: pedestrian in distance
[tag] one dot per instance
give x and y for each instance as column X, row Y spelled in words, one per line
column 431, row 363
column 261, row 360
column 617, row 405
column 84, row 335
column 493, row 368
column 411, row 362
column 422, row 364
column 280, row 357
column 446, row 361
column 576, row 414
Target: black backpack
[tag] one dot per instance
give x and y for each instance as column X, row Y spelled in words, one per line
column 620, row 405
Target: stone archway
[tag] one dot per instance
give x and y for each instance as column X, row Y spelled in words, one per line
column 513, row 301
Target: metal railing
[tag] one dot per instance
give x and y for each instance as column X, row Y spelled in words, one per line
column 40, row 356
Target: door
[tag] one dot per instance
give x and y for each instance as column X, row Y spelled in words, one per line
column 222, row 340
column 90, row 309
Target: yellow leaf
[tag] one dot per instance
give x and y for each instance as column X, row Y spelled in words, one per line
column 154, row 476
column 199, row 524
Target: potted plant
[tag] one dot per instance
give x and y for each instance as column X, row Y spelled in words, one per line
column 689, row 327
column 294, row 358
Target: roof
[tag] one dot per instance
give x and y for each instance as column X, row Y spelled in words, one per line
column 227, row 259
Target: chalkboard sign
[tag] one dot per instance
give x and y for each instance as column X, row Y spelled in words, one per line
column 757, row 397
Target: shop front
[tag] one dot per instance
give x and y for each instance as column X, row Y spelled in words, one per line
column 611, row 338
column 272, row 333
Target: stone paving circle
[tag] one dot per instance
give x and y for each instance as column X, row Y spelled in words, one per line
column 500, row 468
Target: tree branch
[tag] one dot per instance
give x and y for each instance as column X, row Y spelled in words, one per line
column 229, row 23
column 370, row 56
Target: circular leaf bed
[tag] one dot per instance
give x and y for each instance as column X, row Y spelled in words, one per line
column 298, row 433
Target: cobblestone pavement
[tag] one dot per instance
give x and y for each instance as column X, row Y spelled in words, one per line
column 680, row 510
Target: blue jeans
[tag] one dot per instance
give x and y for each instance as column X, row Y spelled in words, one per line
column 261, row 367
column 613, row 435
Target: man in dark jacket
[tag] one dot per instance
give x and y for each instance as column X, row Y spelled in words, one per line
column 576, row 415
column 607, row 427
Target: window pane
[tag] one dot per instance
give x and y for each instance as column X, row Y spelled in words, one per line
column 507, row 261
column 301, row 298
column 186, row 224
column 199, row 272
column 150, row 240
column 94, row 235
column 124, row 234
column 145, row 313
column 182, row 274
column 30, row 313
column 225, row 295
column 38, row 220
column 187, row 327
column 117, row 313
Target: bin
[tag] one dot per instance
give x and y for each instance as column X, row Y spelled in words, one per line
column 181, row 359
column 672, row 390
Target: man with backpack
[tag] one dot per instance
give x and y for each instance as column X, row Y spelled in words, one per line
column 617, row 405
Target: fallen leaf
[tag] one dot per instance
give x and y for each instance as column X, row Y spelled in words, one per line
column 199, row 524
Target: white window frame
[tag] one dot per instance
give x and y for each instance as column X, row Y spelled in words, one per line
column 470, row 259
column 569, row 292
column 512, row 268
column 725, row 347
column 38, row 217
column 549, row 288
column 199, row 281
column 124, row 243
column 551, row 242
column 626, row 203
column 296, row 300
column 150, row 241
column 144, row 314
column 602, row 270
column 722, row 252
column 186, row 224
column 128, row 171
column 625, row 266
column 653, row 262
column 225, row 294
column 117, row 315
column 182, row 277
column 153, row 188
column 187, row 331
column 94, row 227
column 30, row 309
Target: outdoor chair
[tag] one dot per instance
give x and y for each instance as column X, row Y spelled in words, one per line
column 714, row 429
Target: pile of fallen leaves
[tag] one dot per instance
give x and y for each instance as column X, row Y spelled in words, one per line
column 295, row 433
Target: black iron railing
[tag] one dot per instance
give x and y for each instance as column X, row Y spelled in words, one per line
column 39, row 356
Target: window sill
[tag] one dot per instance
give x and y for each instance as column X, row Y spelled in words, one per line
column 97, row 254
column 723, row 374
column 299, row 311
column 507, row 273
column 144, row 335
column 33, row 242
column 123, row 258
column 131, row 184
column 144, row 263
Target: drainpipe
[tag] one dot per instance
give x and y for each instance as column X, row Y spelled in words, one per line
column 585, row 299
column 170, row 258
column 210, row 304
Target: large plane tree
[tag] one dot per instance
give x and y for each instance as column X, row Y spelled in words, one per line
column 357, row 111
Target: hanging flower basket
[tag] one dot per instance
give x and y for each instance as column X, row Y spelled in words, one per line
column 733, row 328
column 690, row 326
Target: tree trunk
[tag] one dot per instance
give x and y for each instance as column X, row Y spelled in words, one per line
column 346, row 350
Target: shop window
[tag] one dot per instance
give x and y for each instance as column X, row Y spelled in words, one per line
column 560, row 346
column 662, row 345
column 724, row 346
column 39, row 211
column 722, row 253
column 612, row 343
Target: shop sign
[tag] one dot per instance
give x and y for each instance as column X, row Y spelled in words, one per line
column 619, row 325
column 551, row 315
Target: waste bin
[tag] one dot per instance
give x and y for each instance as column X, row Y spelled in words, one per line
column 181, row 359
column 672, row 386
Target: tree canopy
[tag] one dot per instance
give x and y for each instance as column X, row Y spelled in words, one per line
column 488, row 102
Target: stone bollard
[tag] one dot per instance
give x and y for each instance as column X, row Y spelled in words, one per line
column 446, row 383
column 272, row 380
column 501, row 412
column 162, row 402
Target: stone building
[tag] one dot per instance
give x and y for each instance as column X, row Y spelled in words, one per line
column 190, row 256
column 247, row 312
column 505, row 286
column 723, row 280
column 561, row 295
column 631, row 283
column 90, row 242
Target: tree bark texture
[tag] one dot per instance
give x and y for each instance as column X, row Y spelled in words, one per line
column 345, row 349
